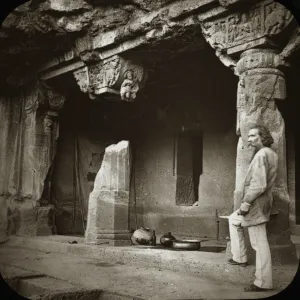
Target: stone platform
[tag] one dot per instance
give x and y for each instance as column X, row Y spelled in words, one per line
column 45, row 274
column 209, row 262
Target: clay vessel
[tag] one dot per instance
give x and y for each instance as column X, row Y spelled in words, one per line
column 167, row 239
column 142, row 236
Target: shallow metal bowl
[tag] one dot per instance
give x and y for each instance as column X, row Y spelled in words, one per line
column 186, row 244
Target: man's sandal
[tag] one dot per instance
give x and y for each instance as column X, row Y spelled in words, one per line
column 235, row 263
column 254, row 288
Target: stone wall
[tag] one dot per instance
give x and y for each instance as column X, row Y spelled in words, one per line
column 79, row 119
column 206, row 99
column 290, row 110
column 91, row 154
column 155, row 185
column 292, row 180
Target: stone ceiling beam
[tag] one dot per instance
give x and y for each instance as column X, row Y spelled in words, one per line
column 228, row 29
column 224, row 25
column 165, row 23
column 176, row 19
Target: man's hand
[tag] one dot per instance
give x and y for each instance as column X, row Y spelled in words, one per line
column 242, row 212
column 244, row 209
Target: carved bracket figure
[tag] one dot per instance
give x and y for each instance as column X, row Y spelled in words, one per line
column 227, row 60
column 112, row 77
column 55, row 101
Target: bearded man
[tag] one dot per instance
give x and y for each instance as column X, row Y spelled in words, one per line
column 255, row 209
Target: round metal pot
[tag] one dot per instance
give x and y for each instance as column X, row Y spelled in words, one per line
column 186, row 244
column 167, row 239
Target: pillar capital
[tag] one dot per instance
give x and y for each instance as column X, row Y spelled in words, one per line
column 261, row 79
column 55, row 100
column 238, row 33
column 114, row 77
column 262, row 60
column 44, row 98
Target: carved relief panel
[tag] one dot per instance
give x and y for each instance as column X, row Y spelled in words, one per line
column 112, row 76
column 262, row 20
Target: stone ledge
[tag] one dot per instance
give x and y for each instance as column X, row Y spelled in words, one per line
column 33, row 285
column 207, row 264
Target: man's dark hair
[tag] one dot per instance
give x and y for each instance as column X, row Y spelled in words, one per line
column 266, row 137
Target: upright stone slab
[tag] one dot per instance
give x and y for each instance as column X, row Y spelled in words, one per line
column 109, row 201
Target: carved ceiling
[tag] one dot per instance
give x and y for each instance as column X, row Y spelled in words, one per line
column 151, row 31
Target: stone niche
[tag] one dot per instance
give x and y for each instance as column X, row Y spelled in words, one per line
column 109, row 201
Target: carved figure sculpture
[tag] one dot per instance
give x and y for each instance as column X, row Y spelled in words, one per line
column 129, row 87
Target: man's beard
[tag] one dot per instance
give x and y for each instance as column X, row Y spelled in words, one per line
column 252, row 149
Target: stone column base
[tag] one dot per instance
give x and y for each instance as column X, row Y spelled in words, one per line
column 31, row 221
column 45, row 220
column 3, row 236
column 112, row 238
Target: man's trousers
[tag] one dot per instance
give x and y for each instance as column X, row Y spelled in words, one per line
column 259, row 242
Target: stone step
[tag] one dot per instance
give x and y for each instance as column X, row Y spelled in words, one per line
column 296, row 241
column 200, row 263
column 38, row 287
column 281, row 254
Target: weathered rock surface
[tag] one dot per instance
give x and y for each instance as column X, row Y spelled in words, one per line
column 109, row 201
column 40, row 30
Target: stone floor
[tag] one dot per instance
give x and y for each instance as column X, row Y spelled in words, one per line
column 117, row 277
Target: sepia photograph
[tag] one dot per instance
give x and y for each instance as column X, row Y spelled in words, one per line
column 148, row 149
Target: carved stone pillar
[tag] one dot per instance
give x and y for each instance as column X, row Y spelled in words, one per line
column 261, row 84
column 29, row 154
column 50, row 130
column 254, row 42
column 115, row 78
